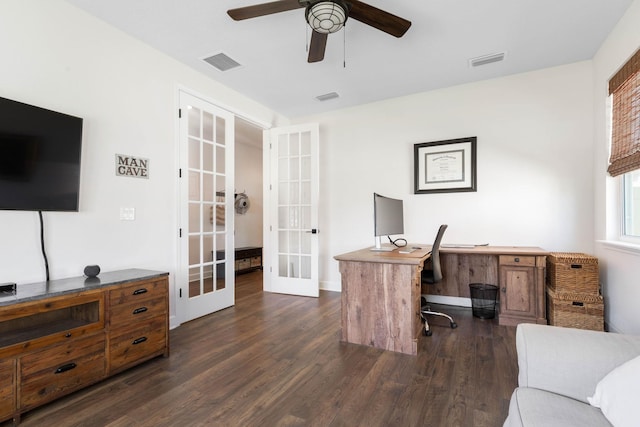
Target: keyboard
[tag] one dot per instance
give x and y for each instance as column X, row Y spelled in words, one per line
column 406, row 250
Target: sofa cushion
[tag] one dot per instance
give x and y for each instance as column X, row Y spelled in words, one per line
column 570, row 361
column 617, row 394
column 531, row 407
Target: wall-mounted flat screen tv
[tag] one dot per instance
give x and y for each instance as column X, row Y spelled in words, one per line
column 40, row 154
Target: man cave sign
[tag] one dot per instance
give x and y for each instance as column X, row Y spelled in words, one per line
column 132, row 166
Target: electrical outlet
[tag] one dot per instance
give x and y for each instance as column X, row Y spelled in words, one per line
column 127, row 214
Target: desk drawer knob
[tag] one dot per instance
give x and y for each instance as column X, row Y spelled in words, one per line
column 516, row 259
column 140, row 310
column 65, row 368
column 140, row 291
column 139, row 340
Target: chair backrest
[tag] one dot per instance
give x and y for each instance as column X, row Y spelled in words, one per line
column 435, row 255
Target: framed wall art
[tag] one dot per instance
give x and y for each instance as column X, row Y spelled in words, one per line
column 445, row 166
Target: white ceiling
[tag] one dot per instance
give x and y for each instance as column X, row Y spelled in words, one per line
column 433, row 54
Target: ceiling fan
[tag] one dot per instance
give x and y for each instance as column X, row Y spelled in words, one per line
column 327, row 16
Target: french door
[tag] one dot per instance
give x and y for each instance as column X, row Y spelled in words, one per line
column 205, row 277
column 291, row 219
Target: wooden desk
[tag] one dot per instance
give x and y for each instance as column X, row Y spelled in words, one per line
column 381, row 298
column 381, row 290
column 519, row 272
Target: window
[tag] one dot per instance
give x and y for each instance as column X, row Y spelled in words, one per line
column 631, row 200
column 624, row 160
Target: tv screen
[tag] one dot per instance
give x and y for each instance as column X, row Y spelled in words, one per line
column 39, row 158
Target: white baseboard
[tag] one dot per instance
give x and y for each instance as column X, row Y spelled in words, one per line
column 331, row 286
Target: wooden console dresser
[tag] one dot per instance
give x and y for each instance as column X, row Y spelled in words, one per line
column 62, row 335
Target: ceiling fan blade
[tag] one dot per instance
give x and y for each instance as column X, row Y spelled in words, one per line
column 378, row 18
column 317, row 46
column 263, row 9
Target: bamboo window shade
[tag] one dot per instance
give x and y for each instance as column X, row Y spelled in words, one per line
column 625, row 129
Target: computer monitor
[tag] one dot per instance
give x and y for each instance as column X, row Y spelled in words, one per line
column 388, row 219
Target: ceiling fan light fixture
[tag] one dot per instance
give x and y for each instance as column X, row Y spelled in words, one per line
column 326, row 16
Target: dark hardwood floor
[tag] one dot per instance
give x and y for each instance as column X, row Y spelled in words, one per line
column 277, row 360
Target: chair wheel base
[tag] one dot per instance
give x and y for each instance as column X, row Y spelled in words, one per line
column 426, row 333
column 454, row 325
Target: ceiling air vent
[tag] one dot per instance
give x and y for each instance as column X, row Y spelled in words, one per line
column 222, row 62
column 327, row 96
column 487, row 59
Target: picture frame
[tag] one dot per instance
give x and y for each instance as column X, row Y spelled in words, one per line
column 447, row 166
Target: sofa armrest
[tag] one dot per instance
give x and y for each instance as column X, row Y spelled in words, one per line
column 569, row 361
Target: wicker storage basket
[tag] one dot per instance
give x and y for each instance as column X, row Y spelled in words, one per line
column 575, row 310
column 573, row 272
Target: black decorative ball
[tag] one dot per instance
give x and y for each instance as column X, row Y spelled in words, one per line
column 92, row 270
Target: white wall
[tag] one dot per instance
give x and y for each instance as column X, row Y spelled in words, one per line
column 58, row 57
column 535, row 164
column 619, row 264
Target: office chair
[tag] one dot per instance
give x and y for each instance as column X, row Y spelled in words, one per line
column 431, row 276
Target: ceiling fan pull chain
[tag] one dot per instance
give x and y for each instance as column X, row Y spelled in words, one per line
column 306, row 42
column 344, row 46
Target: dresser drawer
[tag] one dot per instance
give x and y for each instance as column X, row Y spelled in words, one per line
column 524, row 261
column 137, row 311
column 136, row 344
column 138, row 291
column 58, row 370
column 7, row 388
column 243, row 264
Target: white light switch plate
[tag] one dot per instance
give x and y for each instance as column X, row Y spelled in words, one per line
column 127, row 214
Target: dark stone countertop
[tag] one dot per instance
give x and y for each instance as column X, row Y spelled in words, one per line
column 47, row 289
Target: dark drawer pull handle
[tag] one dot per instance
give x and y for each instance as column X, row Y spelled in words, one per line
column 578, row 303
column 140, row 291
column 139, row 340
column 65, row 368
column 576, row 266
column 140, row 310
column 516, row 259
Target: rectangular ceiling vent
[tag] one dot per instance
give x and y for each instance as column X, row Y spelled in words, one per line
column 327, row 96
column 222, row 62
column 487, row 59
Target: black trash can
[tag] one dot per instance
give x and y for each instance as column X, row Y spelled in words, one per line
column 483, row 300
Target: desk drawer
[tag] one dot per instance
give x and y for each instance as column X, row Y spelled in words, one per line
column 139, row 291
column 56, row 371
column 133, row 345
column 138, row 311
column 524, row 261
column 7, row 388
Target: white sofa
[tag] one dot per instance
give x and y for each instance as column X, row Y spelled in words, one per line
column 560, row 369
